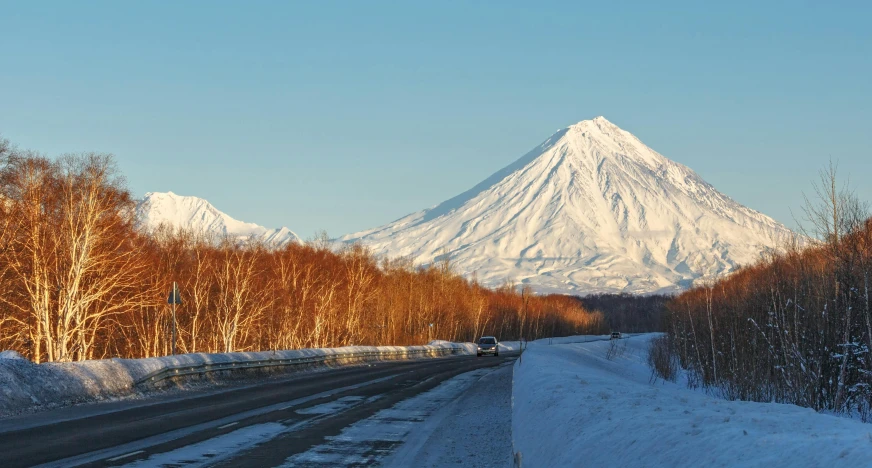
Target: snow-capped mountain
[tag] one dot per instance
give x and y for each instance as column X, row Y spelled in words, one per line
column 199, row 215
column 592, row 209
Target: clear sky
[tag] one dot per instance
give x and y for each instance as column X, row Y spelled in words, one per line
column 343, row 116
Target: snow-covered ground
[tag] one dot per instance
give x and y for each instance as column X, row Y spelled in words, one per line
column 572, row 406
column 25, row 385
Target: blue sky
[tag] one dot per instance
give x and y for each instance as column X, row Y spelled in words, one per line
column 345, row 115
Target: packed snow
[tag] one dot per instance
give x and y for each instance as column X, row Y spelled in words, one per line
column 464, row 421
column 592, row 209
column 474, row 431
column 211, row 448
column 594, row 404
column 212, row 451
column 200, row 216
column 436, row 428
column 25, row 385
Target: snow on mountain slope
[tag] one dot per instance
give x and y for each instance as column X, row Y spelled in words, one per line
column 592, row 209
column 199, row 215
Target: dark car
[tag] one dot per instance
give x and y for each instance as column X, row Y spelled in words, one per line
column 616, row 335
column 488, row 345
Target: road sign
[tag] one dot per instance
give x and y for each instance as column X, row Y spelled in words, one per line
column 174, row 296
column 175, row 299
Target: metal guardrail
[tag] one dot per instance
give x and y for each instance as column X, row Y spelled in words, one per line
column 183, row 370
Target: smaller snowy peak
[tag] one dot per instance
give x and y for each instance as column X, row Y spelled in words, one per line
column 197, row 214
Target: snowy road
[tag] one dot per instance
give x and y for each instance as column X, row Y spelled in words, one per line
column 349, row 417
column 575, row 401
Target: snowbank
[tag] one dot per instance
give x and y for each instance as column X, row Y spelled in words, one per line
column 573, row 339
column 510, row 345
column 25, row 385
column 9, row 354
column 574, row 407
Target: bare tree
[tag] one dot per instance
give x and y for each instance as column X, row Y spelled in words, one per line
column 239, row 300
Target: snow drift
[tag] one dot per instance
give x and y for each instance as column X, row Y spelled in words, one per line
column 572, row 406
column 592, row 209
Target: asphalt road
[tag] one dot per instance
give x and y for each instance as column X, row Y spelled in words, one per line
column 137, row 431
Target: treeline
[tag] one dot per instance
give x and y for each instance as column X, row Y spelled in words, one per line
column 629, row 313
column 80, row 280
column 794, row 328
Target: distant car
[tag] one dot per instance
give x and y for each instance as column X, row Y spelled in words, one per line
column 488, row 345
column 616, row 335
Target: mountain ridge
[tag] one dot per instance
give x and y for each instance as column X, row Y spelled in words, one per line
column 590, row 209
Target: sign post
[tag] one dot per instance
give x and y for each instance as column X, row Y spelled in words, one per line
column 174, row 298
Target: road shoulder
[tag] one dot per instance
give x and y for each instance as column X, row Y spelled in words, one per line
column 473, row 431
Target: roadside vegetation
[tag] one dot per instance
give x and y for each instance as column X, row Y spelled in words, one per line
column 796, row 327
column 80, row 280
